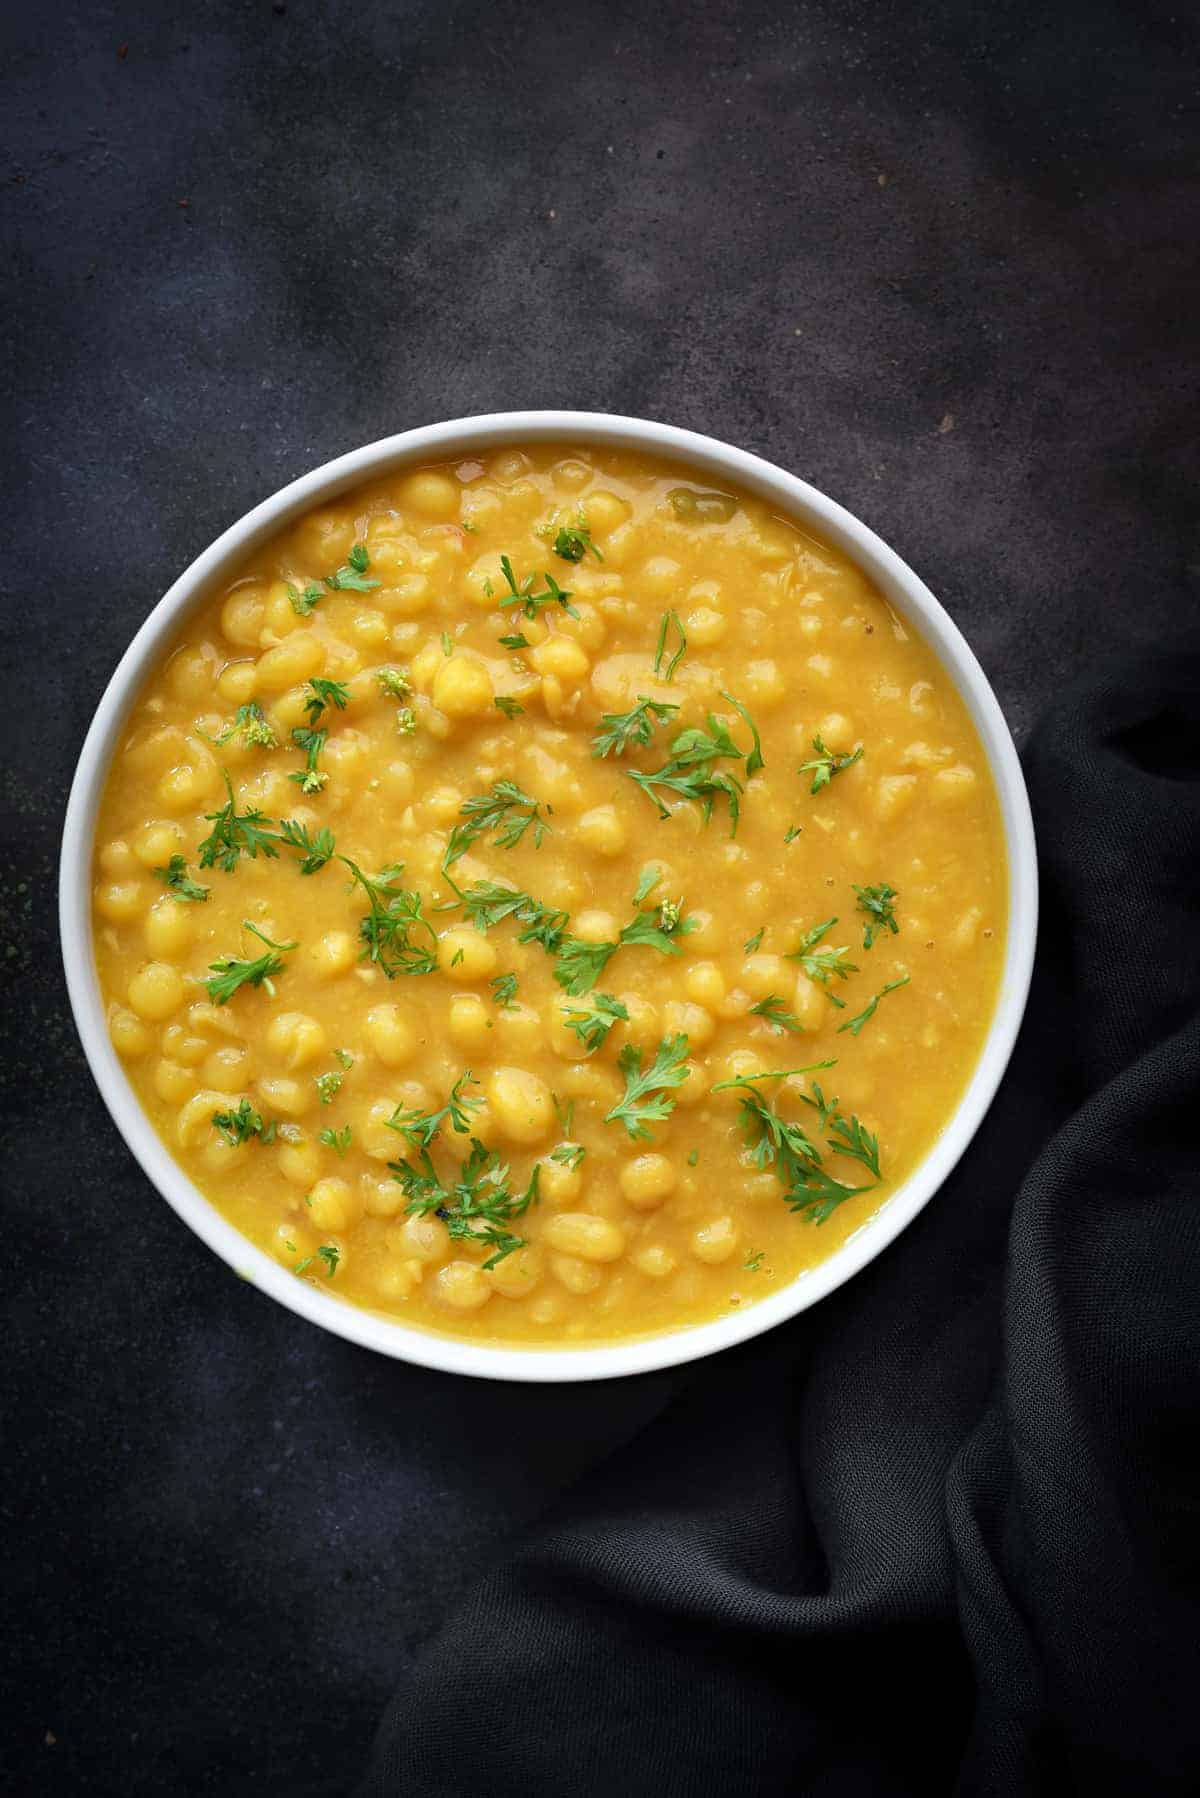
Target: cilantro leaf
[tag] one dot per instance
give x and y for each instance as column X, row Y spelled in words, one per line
column 230, row 974
column 235, row 834
column 646, row 1097
column 879, row 904
column 826, row 764
column 619, row 730
column 182, row 887
column 593, row 1025
column 660, row 651
column 854, row 1025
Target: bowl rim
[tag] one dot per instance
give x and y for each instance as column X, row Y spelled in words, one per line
column 899, row 585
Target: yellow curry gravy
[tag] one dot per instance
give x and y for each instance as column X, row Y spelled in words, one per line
column 434, row 929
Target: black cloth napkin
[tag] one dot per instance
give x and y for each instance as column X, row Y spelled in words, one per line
column 942, row 1533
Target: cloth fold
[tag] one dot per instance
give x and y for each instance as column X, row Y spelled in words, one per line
column 941, row 1533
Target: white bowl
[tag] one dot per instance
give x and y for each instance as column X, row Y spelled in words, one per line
column 899, row 586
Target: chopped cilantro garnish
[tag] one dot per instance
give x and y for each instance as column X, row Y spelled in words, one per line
column 316, row 851
column 304, row 604
column 477, row 1207
column 823, row 965
column 854, row 1025
column 825, row 764
column 252, row 725
column 692, row 774
column 568, row 1154
column 395, row 682
column 879, row 904
column 573, row 542
column 349, row 578
column 239, row 1125
column 325, row 693
column 229, row 974
column 235, row 834
column 669, row 619
column 646, row 1097
column 488, row 903
column 182, row 886
column 329, row 1253
column 311, row 778
column 619, row 730
column 581, row 963
column 777, row 1015
column 504, row 991
column 395, row 914
column 420, row 1127
column 506, row 810
column 531, row 603
column 593, row 1025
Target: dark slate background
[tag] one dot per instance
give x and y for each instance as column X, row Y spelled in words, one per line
column 932, row 258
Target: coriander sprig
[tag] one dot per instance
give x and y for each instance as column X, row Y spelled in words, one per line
column 774, row 1141
column 669, row 621
column 349, row 578
column 316, row 851
column 854, row 1025
column 305, row 603
column 754, row 760
column 783, row 1145
column 420, row 1127
column 619, row 730
column 312, row 777
column 529, row 602
column 506, row 810
column 879, row 904
column 573, row 541
column 325, row 693
column 826, row 764
column 328, row 1253
column 394, row 918
column 774, row 1010
column 235, row 834
column 592, row 1025
column 852, row 1139
column 241, row 1124
column 182, row 887
column 646, row 1099
column 692, row 772
column 504, row 991
column 487, row 904
column 252, row 725
column 476, row 1207
column 580, row 963
column 230, row 974
column 823, row 964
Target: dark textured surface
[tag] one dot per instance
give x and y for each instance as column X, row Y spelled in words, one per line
column 933, row 259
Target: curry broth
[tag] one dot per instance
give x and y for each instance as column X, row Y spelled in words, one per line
column 623, row 1234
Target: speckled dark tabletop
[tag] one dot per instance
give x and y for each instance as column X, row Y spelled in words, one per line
column 930, row 258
